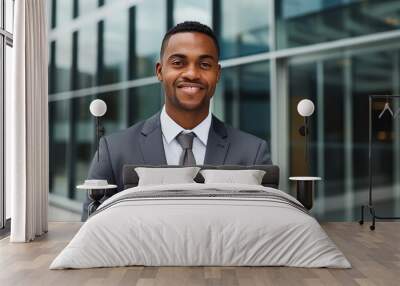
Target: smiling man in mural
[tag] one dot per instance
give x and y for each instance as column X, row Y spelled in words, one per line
column 184, row 132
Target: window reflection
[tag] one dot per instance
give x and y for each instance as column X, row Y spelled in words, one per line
column 245, row 92
column 244, row 27
column 145, row 37
column 62, row 50
column 9, row 9
column 308, row 22
column 72, row 132
column 63, row 10
column 192, row 10
column 59, row 134
column 114, row 47
column 86, row 6
column 87, row 56
column 340, row 87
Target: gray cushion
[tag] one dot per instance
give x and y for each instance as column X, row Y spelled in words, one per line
column 248, row 177
column 165, row 176
column 271, row 178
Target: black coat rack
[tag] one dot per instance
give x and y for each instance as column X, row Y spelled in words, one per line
column 370, row 205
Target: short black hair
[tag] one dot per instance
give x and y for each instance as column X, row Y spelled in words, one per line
column 189, row 26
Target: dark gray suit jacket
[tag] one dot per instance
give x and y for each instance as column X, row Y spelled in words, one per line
column 142, row 144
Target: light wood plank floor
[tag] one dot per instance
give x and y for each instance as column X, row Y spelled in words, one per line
column 375, row 256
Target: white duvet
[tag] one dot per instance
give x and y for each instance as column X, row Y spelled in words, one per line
column 206, row 230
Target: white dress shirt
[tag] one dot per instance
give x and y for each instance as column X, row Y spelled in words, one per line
column 170, row 129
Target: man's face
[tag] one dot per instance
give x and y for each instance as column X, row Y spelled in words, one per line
column 189, row 71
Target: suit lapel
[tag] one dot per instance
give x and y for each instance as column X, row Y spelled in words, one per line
column 217, row 143
column 151, row 143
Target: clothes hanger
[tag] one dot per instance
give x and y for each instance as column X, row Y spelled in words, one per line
column 386, row 107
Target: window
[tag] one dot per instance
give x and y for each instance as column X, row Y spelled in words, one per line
column 243, row 33
column 6, row 43
column 301, row 23
column 339, row 85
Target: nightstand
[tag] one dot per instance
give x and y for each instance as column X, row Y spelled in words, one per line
column 305, row 190
column 96, row 190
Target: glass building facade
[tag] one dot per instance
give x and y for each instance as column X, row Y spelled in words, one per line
column 273, row 54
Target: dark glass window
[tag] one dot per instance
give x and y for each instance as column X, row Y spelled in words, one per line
column 113, row 49
column 87, row 6
column 62, row 67
column 145, row 36
column 64, row 10
column 243, row 27
column 86, row 56
column 59, row 134
column 9, row 12
column 243, row 97
column 302, row 23
column 192, row 10
column 72, row 132
column 340, row 87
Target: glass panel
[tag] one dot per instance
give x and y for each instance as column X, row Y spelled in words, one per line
column 143, row 102
column 85, row 142
column 114, row 35
column 87, row 56
column 243, row 98
column 72, row 134
column 50, row 15
column 244, row 33
column 64, row 11
column 309, row 22
column 192, row 10
column 86, row 6
column 9, row 15
column 339, row 87
column 146, row 40
column 377, row 73
column 302, row 84
column 59, row 134
column 63, row 64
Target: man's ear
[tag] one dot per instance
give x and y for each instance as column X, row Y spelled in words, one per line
column 219, row 72
column 158, row 71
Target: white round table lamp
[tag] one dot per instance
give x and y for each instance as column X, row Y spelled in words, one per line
column 98, row 108
column 305, row 107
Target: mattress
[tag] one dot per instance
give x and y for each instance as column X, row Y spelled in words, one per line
column 201, row 225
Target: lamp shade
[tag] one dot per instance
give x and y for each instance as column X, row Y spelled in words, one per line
column 98, row 107
column 305, row 107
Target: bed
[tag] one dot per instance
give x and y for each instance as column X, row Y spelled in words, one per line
column 201, row 223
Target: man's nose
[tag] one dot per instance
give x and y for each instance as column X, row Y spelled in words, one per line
column 191, row 72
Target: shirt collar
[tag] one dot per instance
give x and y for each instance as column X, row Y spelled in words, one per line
column 171, row 129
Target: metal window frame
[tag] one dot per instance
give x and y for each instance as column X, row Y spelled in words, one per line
column 6, row 39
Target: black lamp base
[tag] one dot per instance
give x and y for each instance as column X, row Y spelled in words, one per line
column 305, row 193
column 95, row 195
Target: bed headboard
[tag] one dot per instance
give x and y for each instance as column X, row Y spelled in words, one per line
column 130, row 178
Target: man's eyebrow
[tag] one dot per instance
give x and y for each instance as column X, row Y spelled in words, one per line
column 182, row 56
column 177, row 56
column 207, row 57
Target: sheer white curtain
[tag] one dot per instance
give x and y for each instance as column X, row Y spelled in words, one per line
column 27, row 123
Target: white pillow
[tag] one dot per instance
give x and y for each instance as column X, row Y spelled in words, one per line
column 248, row 177
column 162, row 176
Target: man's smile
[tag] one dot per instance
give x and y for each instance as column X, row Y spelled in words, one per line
column 190, row 87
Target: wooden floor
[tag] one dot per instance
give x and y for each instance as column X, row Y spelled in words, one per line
column 375, row 257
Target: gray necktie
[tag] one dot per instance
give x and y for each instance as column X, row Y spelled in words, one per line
column 186, row 142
